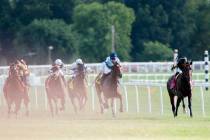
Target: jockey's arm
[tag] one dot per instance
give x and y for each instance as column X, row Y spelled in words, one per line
column 117, row 60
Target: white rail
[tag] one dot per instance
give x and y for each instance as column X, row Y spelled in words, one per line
column 128, row 67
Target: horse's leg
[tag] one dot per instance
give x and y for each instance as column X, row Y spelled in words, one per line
column 17, row 106
column 177, row 105
column 99, row 94
column 189, row 105
column 73, row 103
column 121, row 102
column 62, row 104
column 9, row 104
column 51, row 106
column 56, row 105
column 106, row 105
column 26, row 102
column 172, row 103
column 84, row 98
column 183, row 105
column 80, row 99
column 113, row 109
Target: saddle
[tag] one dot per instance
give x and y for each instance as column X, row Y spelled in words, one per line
column 173, row 81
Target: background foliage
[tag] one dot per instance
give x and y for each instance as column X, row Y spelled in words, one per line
column 146, row 30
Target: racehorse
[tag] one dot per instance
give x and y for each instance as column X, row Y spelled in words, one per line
column 183, row 89
column 15, row 91
column 55, row 86
column 109, row 88
column 77, row 88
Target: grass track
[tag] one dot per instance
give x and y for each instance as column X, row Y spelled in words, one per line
column 95, row 126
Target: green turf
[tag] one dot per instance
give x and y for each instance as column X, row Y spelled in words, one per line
column 95, row 126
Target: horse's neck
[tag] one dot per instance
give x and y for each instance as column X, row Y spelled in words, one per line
column 184, row 81
column 112, row 78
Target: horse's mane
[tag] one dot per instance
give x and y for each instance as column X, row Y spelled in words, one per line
column 184, row 78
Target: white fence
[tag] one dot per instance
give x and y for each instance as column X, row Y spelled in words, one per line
column 128, row 67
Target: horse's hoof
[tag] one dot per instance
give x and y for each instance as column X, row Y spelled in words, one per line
column 106, row 106
column 62, row 109
column 114, row 115
column 102, row 112
column 27, row 113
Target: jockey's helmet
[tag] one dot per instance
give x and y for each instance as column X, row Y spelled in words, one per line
column 79, row 61
column 113, row 56
column 183, row 60
column 58, row 62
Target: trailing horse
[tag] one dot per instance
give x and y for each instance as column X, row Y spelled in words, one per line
column 55, row 86
column 15, row 91
column 77, row 88
column 109, row 89
column 183, row 88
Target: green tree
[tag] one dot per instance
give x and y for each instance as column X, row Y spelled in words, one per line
column 7, row 27
column 93, row 22
column 156, row 51
column 40, row 34
column 201, row 38
column 168, row 22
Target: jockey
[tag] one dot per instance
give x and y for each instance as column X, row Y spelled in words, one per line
column 108, row 64
column 180, row 65
column 57, row 67
column 77, row 67
column 23, row 71
column 179, row 69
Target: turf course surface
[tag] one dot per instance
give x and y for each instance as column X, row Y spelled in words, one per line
column 86, row 126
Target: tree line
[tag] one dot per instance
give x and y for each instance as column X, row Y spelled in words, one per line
column 145, row 30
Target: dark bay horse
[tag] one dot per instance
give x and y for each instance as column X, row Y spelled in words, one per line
column 183, row 89
column 77, row 88
column 109, row 89
column 55, row 86
column 15, row 91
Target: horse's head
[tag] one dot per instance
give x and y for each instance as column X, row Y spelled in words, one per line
column 116, row 71
column 187, row 72
column 187, row 69
column 81, row 71
column 13, row 71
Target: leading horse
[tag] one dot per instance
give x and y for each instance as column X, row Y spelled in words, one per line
column 55, row 86
column 15, row 91
column 109, row 89
column 183, row 89
column 77, row 88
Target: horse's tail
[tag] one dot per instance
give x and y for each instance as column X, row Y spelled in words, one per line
column 168, row 85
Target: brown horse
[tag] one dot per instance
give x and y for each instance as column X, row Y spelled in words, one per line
column 109, row 88
column 15, row 91
column 77, row 88
column 183, row 89
column 55, row 86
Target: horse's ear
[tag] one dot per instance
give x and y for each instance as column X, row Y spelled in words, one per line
column 191, row 62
